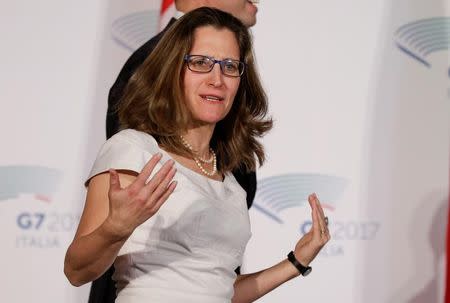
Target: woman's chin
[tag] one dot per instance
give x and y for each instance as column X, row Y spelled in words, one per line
column 209, row 120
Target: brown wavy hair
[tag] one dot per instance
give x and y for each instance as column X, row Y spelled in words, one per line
column 153, row 99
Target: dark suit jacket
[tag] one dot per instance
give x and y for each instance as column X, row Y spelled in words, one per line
column 103, row 289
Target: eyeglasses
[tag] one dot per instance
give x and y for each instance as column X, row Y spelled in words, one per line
column 205, row 64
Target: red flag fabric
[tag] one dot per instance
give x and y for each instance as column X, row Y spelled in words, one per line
column 165, row 5
column 447, row 284
column 167, row 11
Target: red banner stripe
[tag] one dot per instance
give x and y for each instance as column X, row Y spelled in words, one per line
column 165, row 4
column 447, row 287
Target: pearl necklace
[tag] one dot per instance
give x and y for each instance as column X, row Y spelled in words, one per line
column 198, row 160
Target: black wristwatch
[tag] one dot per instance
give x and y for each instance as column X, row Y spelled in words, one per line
column 303, row 270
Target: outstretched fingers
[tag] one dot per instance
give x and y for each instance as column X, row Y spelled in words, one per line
column 165, row 195
column 322, row 214
column 160, row 176
column 315, row 217
column 136, row 203
column 319, row 222
column 146, row 171
column 160, row 186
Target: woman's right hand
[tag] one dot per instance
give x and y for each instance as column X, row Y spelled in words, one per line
column 131, row 206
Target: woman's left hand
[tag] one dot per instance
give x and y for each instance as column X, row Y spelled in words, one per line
column 250, row 287
column 312, row 242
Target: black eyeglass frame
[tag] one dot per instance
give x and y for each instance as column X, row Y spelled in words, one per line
column 221, row 63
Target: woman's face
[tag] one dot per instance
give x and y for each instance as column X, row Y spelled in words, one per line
column 209, row 96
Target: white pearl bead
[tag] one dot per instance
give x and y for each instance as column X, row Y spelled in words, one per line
column 198, row 159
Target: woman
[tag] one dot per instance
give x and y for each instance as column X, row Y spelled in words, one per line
column 176, row 227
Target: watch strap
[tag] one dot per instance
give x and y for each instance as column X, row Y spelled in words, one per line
column 303, row 270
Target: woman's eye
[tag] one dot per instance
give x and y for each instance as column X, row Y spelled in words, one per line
column 200, row 62
column 231, row 66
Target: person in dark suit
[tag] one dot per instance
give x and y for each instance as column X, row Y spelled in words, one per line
column 103, row 289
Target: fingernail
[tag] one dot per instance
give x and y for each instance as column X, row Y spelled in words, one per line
column 158, row 155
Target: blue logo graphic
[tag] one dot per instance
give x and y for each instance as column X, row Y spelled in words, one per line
column 37, row 180
column 131, row 31
column 277, row 193
column 423, row 37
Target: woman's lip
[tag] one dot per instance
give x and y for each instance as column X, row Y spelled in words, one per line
column 214, row 97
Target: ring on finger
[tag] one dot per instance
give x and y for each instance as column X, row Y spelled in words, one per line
column 326, row 221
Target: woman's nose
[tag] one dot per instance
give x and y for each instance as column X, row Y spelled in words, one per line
column 216, row 76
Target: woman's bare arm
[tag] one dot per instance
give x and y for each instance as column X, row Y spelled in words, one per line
column 116, row 203
column 250, row 287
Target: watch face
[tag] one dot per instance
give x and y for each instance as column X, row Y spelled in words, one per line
column 307, row 271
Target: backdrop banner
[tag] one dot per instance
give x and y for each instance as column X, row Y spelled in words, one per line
column 359, row 92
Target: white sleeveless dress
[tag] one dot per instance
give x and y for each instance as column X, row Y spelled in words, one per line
column 188, row 251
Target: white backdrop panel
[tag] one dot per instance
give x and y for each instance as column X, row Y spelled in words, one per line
column 357, row 119
column 350, row 104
